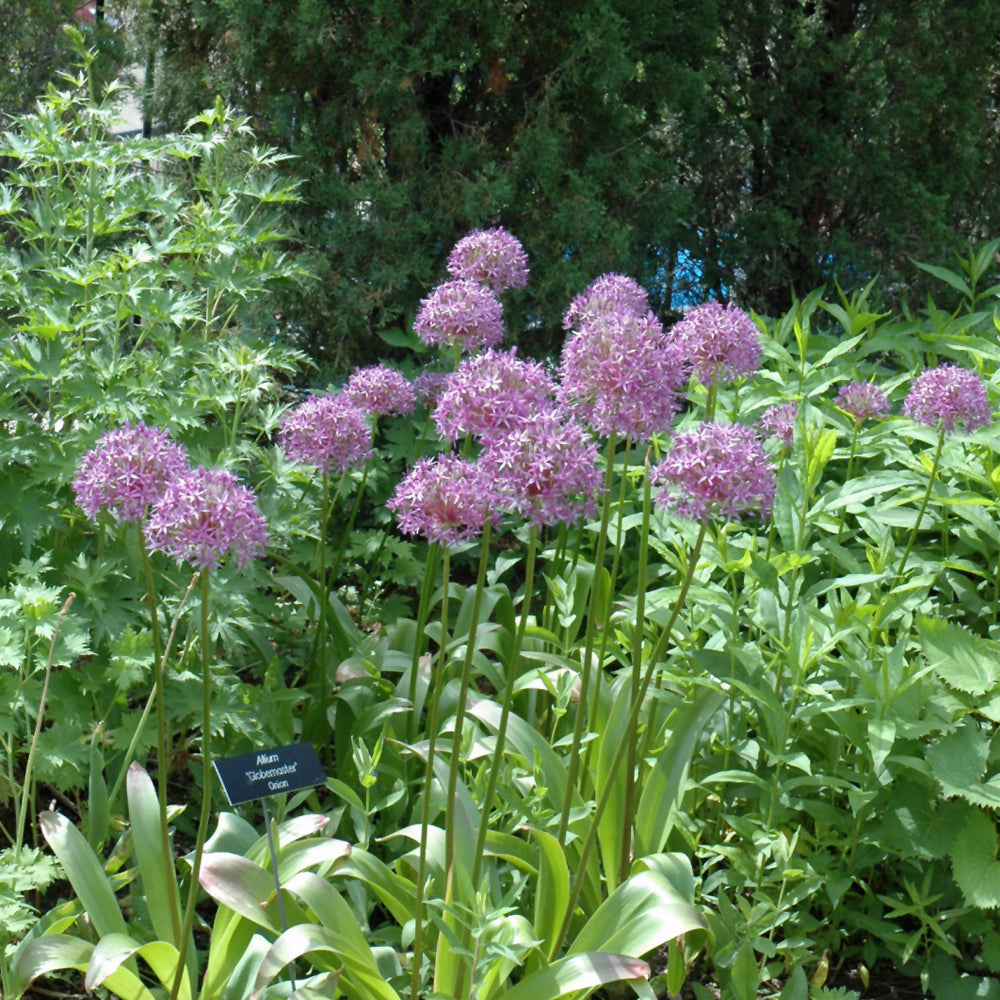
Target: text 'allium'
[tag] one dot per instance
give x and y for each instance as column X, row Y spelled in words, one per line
column 205, row 517
column 949, row 398
column 128, row 471
column 491, row 393
column 720, row 343
column 380, row 391
column 715, row 471
column 445, row 499
column 461, row 313
column 330, row 432
column 862, row 401
column 491, row 256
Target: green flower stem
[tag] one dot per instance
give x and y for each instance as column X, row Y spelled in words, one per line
column 356, row 506
column 423, row 612
column 456, row 741
column 425, row 807
column 647, row 736
column 640, row 621
column 162, row 756
column 923, row 505
column 848, row 475
column 26, row 786
column 206, row 785
column 506, row 699
column 631, row 727
column 588, row 652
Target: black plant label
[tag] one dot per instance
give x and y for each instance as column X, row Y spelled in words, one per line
column 269, row 772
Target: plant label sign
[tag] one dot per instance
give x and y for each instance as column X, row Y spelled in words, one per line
column 269, row 772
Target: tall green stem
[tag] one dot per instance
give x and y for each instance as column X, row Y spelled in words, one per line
column 640, row 621
column 507, row 697
column 162, row 755
column 923, row 505
column 206, row 784
column 588, row 652
column 425, row 808
column 630, row 727
column 456, row 741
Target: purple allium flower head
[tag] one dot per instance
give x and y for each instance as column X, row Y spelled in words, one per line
column 491, row 393
column 620, row 374
column 862, row 401
column 779, row 422
column 715, row 470
column 206, row 516
column 721, row 343
column 428, row 386
column 380, row 390
column 330, row 432
column 446, row 499
column 610, row 293
column 948, row 396
column 127, row 471
column 461, row 313
column 491, row 256
column 548, row 466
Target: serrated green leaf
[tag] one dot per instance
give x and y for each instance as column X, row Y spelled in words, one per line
column 974, row 862
column 958, row 762
column 962, row 660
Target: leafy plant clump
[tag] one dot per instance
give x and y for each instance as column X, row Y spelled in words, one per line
column 675, row 655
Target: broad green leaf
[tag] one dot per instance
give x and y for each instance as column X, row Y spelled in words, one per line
column 159, row 879
column 240, row 884
column 578, row 972
column 962, row 660
column 664, row 787
column 552, row 889
column 643, row 913
column 948, row 277
column 974, row 862
column 113, row 950
column 51, row 953
column 398, row 894
column 614, row 707
column 360, row 977
column 85, row 873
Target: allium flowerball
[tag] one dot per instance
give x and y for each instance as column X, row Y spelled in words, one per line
column 862, row 401
column 778, row 421
column 205, row 517
column 461, row 313
column 949, row 397
column 491, row 256
column 446, row 499
column 547, row 468
column 128, row 471
column 330, row 432
column 619, row 374
column 381, row 391
column 610, row 293
column 490, row 393
column 715, row 471
column 720, row 343
column 428, row 386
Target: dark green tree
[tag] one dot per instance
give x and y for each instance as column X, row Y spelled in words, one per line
column 779, row 144
column 415, row 122
column 843, row 139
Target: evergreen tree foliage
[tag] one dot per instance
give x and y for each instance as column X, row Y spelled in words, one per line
column 776, row 145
